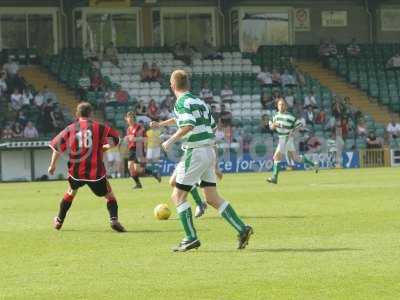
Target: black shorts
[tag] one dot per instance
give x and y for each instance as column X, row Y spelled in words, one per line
column 100, row 187
column 132, row 156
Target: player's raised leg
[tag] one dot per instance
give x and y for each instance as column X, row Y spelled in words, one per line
column 65, row 205
column 276, row 167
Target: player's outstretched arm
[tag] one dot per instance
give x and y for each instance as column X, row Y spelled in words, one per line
column 169, row 122
column 182, row 131
column 54, row 158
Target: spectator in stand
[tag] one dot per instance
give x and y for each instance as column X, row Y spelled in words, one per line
column 27, row 97
column 47, row 94
column 330, row 124
column 21, row 118
column 16, row 100
column 276, row 78
column 267, row 102
column 155, row 72
column 109, row 96
column 165, row 113
column 121, row 96
column 393, row 129
column 141, row 109
column 288, row 79
column 216, row 112
column 264, row 78
column 289, row 98
column 30, row 131
column 313, row 143
column 206, row 94
column 311, row 100
column 320, row 117
column 145, row 73
column 394, row 62
column 11, row 68
column 7, row 133
column 39, row 100
column 96, row 82
column 337, row 110
column 264, row 125
column 345, row 127
column 184, row 52
column 57, row 117
column 17, row 130
column 353, row 49
column 111, row 54
column 276, row 95
column 18, row 81
column 47, row 116
column 333, row 48
column 373, row 142
column 89, row 53
column 225, row 116
column 209, row 52
column 309, row 116
column 300, row 78
column 152, row 110
column 168, row 103
column 361, row 129
column 3, row 83
column 227, row 94
column 83, row 85
column 327, row 50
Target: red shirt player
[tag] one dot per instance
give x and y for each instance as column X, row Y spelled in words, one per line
column 84, row 142
column 136, row 139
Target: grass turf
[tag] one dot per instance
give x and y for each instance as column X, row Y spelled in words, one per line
column 334, row 235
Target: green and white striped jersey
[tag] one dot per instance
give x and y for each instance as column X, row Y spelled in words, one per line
column 190, row 110
column 286, row 123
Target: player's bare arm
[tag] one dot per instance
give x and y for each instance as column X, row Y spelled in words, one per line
column 181, row 132
column 54, row 158
column 169, row 122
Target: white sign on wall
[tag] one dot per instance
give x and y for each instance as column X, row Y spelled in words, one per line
column 390, row 19
column 334, row 18
column 302, row 19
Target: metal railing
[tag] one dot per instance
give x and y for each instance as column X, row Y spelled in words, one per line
column 374, row 158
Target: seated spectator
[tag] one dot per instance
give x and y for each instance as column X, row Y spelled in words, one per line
column 141, row 109
column 264, row 77
column 89, row 53
column 152, row 110
column 165, row 113
column 7, row 133
column 225, row 116
column 47, row 94
column 393, row 129
column 373, row 142
column 209, row 52
column 21, row 118
column 27, row 97
column 313, row 144
column 167, row 103
column 345, row 127
column 155, row 72
column 121, row 96
column 276, row 78
column 327, row 50
column 47, row 116
column 394, row 62
column 30, row 131
column 309, row 116
column 288, row 79
column 39, row 100
column 96, row 82
column 299, row 76
column 227, row 94
column 206, row 94
column 289, row 98
column 353, row 49
column 320, row 117
column 18, row 81
column 17, row 130
column 57, row 117
column 16, row 100
column 337, row 109
column 310, row 100
column 111, row 54
column 145, row 73
column 361, row 129
column 12, row 68
column 264, row 125
column 83, row 85
column 267, row 102
column 3, row 83
column 216, row 112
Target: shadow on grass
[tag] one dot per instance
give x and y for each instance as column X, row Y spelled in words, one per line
column 289, row 250
column 260, row 217
column 127, row 232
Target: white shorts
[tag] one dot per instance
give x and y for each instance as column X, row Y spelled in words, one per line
column 286, row 144
column 196, row 165
column 113, row 156
column 153, row 153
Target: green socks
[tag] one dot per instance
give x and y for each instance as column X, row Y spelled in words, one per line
column 196, row 196
column 275, row 170
column 229, row 214
column 305, row 160
column 185, row 215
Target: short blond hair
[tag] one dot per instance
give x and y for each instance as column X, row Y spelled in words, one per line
column 180, row 79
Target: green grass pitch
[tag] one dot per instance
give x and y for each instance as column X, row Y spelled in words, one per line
column 333, row 235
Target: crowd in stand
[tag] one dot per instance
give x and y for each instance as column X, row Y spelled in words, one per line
column 28, row 114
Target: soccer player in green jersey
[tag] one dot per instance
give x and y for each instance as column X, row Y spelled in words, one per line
column 196, row 126
column 285, row 124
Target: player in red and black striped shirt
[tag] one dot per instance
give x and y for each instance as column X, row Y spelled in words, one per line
column 84, row 141
column 136, row 139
